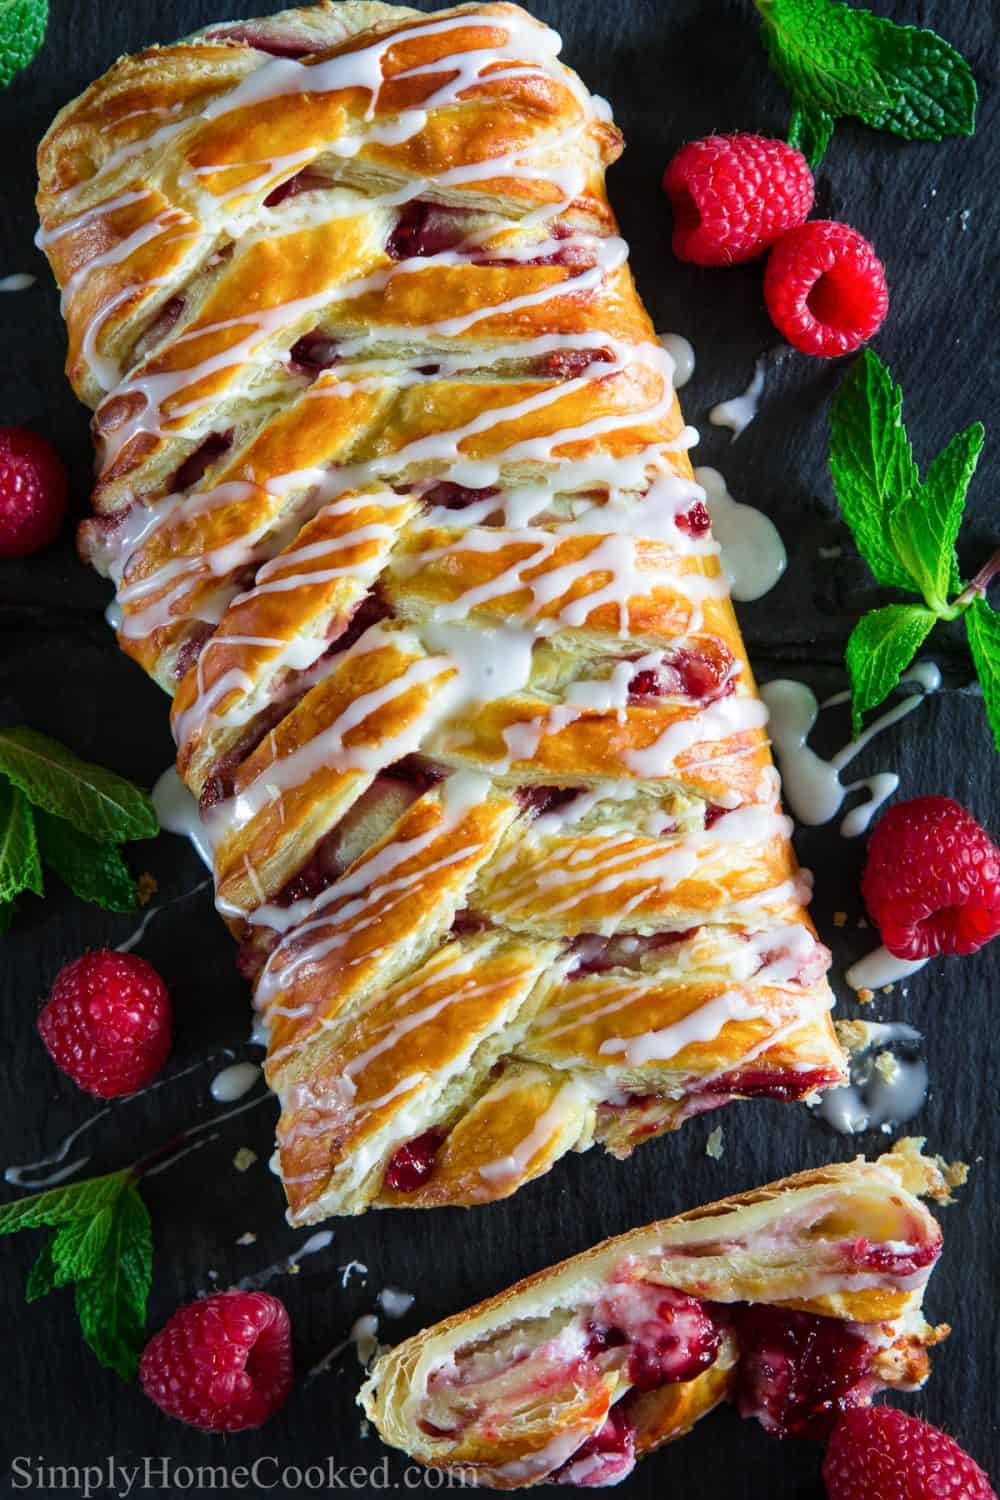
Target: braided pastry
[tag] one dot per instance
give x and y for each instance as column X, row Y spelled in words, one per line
column 394, row 492
column 795, row 1301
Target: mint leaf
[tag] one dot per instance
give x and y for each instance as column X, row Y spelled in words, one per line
column 42, row 1276
column 881, row 647
column 62, row 1204
column 835, row 60
column 871, row 463
column 929, row 86
column 20, row 867
column 111, row 1303
column 78, row 1246
column 22, row 31
column 982, row 625
column 810, row 130
column 923, row 527
column 97, row 802
column 93, row 871
column 815, row 51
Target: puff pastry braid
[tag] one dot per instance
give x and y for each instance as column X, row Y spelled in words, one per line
column 393, row 488
column 795, row 1301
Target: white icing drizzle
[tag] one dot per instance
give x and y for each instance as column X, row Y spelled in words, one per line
column 753, row 554
column 879, row 968
column 19, row 282
column 394, row 1302
column 812, row 785
column 682, row 353
column 886, row 1089
column 739, row 411
column 233, row 1082
column 178, row 813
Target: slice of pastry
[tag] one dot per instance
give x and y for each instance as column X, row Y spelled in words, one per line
column 795, row 1301
column 394, row 492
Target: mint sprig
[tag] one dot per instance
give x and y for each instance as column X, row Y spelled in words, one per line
column 906, row 528
column 103, row 1246
column 836, row 61
column 22, row 31
column 69, row 814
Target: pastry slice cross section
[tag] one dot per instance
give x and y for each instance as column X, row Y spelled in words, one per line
column 795, row 1302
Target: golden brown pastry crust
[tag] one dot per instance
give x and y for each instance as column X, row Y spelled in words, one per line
column 394, row 491
column 792, row 1244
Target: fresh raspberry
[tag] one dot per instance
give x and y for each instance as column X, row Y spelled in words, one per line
column 825, row 288
column 880, row 1453
column 223, row 1364
column 32, row 492
column 107, row 1023
column 932, row 879
column 733, row 195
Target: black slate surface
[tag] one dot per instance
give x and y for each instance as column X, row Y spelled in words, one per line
column 674, row 69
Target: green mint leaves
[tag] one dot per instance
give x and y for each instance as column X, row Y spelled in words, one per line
column 103, row 1246
column 58, row 810
column 837, row 61
column 22, row 31
column 905, row 528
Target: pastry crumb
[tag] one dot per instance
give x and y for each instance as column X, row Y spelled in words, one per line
column 249, row 1238
column 840, row 919
column 713, row 1146
column 865, row 997
column 146, row 888
column 853, row 1036
column 244, row 1159
column 928, row 1176
column 887, row 989
column 887, row 1067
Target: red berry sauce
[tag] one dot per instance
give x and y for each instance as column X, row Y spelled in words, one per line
column 705, row 675
column 694, row 522
column 425, row 229
column 313, row 352
column 413, row 1163
column 197, row 463
column 448, row 496
column 670, row 1336
column 798, row 1372
column 606, row 1457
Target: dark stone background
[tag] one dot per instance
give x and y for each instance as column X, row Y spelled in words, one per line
column 673, row 69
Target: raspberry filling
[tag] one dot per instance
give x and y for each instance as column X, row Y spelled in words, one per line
column 208, row 451
column 669, row 1336
column 694, row 522
column 313, row 352
column 303, row 182
column 569, row 364
column 606, row 1457
column 890, row 1261
column 798, row 1372
column 760, row 1084
column 448, row 496
column 705, row 675
column 542, row 799
column 262, row 41
column 425, row 229
column 596, row 955
column 413, row 1163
